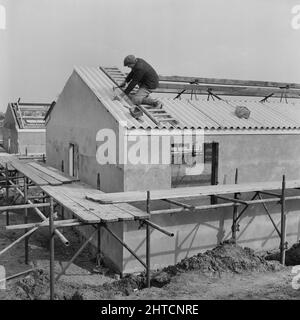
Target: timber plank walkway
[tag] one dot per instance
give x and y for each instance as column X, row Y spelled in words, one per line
column 88, row 211
column 132, row 196
column 70, row 193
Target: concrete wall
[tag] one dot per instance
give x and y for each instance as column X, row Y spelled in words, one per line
column 76, row 118
column 202, row 230
column 147, row 177
column 110, row 247
column 258, row 157
column 10, row 132
column 32, row 141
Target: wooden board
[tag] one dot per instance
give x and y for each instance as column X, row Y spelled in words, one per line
column 52, row 181
column 226, row 90
column 137, row 213
column 230, row 82
column 132, row 196
column 109, row 213
column 79, row 211
column 28, row 172
column 50, row 173
column 122, row 211
column 73, row 179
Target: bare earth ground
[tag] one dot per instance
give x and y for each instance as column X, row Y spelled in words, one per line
column 226, row 272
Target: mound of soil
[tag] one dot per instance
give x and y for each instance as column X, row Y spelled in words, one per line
column 226, row 257
column 32, row 286
column 292, row 256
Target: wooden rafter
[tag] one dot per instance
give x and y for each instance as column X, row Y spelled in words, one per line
column 203, row 89
column 229, row 82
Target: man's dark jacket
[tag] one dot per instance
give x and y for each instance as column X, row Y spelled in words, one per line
column 143, row 75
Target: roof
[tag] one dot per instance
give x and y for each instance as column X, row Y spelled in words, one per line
column 198, row 113
column 30, row 115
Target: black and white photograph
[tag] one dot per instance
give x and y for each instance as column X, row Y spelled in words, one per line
column 149, row 153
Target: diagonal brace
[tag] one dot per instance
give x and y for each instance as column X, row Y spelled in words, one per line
column 269, row 215
column 245, row 208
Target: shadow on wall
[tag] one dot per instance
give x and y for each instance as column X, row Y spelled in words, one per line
column 202, row 230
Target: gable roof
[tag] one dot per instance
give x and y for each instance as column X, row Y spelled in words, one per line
column 198, row 113
column 29, row 115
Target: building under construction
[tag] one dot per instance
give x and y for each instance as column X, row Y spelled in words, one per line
column 24, row 131
column 149, row 215
column 260, row 149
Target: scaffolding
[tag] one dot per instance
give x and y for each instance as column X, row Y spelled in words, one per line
column 276, row 190
column 98, row 209
column 65, row 192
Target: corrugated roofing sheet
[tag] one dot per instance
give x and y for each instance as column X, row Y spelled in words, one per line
column 212, row 114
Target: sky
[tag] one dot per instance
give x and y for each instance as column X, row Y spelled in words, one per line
column 235, row 39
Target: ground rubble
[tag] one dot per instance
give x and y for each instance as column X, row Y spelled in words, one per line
column 227, row 257
column 292, row 255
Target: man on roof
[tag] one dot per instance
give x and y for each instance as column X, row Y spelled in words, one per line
column 143, row 75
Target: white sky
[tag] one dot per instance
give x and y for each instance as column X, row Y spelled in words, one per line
column 240, row 39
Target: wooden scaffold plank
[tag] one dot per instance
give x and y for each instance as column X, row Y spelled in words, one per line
column 81, row 213
column 29, row 173
column 133, row 196
column 49, row 172
column 106, row 213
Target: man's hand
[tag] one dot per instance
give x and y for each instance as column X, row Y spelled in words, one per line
column 119, row 96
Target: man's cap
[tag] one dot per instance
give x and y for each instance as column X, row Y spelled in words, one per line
column 130, row 59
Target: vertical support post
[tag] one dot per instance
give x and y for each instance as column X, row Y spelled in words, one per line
column 99, row 239
column 26, row 219
column 51, row 231
column 148, row 242
column 98, row 181
column 214, row 167
column 7, row 193
column 235, row 209
column 62, row 210
column 283, row 223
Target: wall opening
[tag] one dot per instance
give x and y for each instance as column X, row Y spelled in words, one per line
column 184, row 158
column 214, row 167
column 71, row 159
column 8, row 145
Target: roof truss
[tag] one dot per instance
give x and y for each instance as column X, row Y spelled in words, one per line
column 179, row 85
